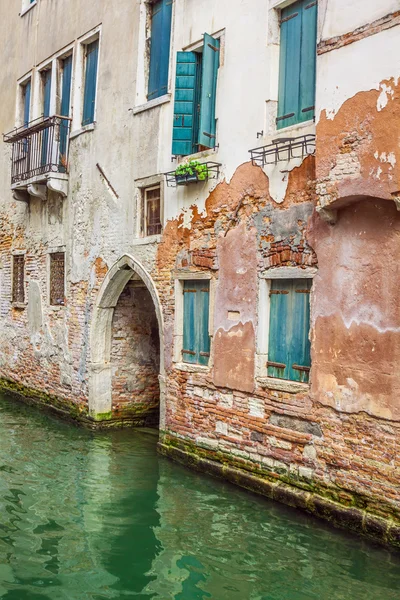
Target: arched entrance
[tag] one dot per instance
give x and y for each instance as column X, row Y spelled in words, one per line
column 126, row 285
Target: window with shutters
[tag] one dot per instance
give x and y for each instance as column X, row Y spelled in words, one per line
column 196, row 308
column 26, row 102
column 90, row 85
column 298, row 50
column 18, row 281
column 151, row 211
column 289, row 325
column 57, row 279
column 160, row 39
column 194, row 126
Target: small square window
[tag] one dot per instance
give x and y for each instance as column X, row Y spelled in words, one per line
column 151, row 211
column 18, row 284
column 289, row 326
column 196, row 309
column 57, row 279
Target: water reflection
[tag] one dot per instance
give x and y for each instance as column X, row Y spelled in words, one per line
column 99, row 516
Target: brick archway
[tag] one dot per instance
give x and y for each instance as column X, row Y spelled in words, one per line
column 100, row 375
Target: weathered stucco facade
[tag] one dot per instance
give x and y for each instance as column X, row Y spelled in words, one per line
column 112, row 353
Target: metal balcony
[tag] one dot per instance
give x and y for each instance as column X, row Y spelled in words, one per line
column 39, row 150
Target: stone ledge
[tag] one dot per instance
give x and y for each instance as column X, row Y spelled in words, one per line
column 352, row 519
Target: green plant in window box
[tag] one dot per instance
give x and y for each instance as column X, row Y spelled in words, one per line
column 191, row 172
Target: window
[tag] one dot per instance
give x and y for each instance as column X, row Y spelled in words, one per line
column 18, row 286
column 194, row 126
column 289, row 325
column 151, row 211
column 296, row 96
column 65, row 105
column 57, row 279
column 161, row 16
column 89, row 95
column 196, row 338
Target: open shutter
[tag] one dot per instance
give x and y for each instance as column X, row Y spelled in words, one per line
column 27, row 102
column 189, row 350
column 279, row 328
column 64, row 110
column 185, row 103
column 289, row 66
column 299, row 358
column 207, row 125
column 92, row 52
column 308, row 60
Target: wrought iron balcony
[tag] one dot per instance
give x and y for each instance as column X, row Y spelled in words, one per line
column 283, row 149
column 39, row 148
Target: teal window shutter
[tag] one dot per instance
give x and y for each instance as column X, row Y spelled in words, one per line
column 65, row 108
column 186, row 86
column 297, row 63
column 46, row 146
column 210, row 64
column 27, row 102
column 196, row 338
column 289, row 325
column 159, row 48
column 89, row 97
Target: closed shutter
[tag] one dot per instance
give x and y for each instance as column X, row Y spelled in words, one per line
column 207, row 125
column 185, row 103
column 289, row 325
column 196, row 339
column 159, row 48
column 89, row 99
column 46, row 141
column 64, row 110
column 296, row 95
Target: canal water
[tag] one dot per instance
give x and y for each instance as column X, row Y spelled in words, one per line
column 93, row 516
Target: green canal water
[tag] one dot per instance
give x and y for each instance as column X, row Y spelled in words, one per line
column 93, row 516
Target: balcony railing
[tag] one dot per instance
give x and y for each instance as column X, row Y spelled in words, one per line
column 39, row 148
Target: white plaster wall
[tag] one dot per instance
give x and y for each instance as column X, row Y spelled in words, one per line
column 343, row 16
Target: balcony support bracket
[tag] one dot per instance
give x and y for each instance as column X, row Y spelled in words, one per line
column 37, row 189
column 60, row 186
column 20, row 195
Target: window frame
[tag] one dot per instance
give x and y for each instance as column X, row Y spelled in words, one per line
column 144, row 210
column 264, row 321
column 51, row 253
column 17, row 302
column 149, row 36
column 180, row 278
column 26, row 6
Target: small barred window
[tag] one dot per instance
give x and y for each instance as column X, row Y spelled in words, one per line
column 57, row 279
column 18, row 288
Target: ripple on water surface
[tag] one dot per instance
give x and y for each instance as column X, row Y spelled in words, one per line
column 86, row 516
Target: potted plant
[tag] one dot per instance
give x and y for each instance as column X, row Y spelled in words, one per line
column 191, row 172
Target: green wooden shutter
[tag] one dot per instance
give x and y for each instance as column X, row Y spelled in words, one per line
column 89, row 99
column 289, row 66
column 207, row 124
column 27, row 102
column 289, row 325
column 159, row 48
column 196, row 339
column 279, row 328
column 185, row 103
column 300, row 360
column 46, row 149
column 308, row 60
column 296, row 95
column 64, row 109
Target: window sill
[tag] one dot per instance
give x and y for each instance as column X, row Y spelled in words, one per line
column 27, row 9
column 283, row 385
column 297, row 126
column 210, row 152
column 19, row 305
column 151, row 104
column 149, row 239
column 78, row 132
column 191, row 368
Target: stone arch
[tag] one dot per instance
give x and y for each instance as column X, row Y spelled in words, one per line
column 100, row 375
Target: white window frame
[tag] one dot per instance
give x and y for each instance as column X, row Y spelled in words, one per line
column 141, row 185
column 180, row 278
column 19, row 112
column 26, row 6
column 79, row 81
column 264, row 306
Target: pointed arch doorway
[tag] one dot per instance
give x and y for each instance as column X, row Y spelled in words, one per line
column 126, row 370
